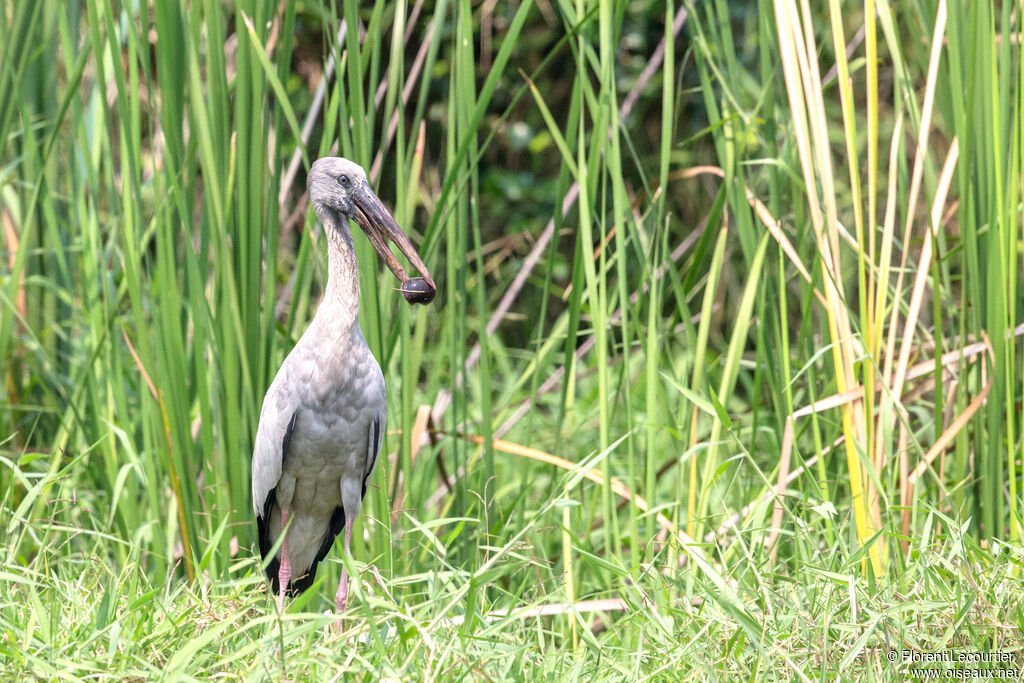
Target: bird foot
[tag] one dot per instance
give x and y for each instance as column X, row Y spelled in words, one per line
column 284, row 570
column 340, row 600
column 283, row 578
column 341, row 597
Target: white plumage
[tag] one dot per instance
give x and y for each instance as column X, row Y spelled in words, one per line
column 324, row 415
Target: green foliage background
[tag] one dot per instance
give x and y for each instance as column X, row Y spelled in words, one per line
column 158, row 263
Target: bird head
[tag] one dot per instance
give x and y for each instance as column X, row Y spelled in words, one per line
column 339, row 185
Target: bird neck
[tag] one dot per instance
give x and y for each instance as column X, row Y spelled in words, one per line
column 341, row 298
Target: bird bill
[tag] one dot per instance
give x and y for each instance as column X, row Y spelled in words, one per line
column 380, row 226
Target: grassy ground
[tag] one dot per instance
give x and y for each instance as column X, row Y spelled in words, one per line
column 723, row 379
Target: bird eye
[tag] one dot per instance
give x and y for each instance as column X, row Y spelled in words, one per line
column 343, row 179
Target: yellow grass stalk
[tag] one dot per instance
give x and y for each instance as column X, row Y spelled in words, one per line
column 803, row 88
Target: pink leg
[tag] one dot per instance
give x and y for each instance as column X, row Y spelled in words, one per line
column 341, row 597
column 284, row 571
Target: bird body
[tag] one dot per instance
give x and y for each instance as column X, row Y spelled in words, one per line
column 336, row 427
column 323, row 418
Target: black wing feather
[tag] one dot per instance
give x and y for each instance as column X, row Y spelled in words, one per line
column 263, row 528
column 296, row 586
column 373, row 449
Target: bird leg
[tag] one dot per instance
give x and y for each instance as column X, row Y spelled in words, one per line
column 341, row 597
column 284, row 570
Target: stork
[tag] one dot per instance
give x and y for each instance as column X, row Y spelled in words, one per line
column 323, row 417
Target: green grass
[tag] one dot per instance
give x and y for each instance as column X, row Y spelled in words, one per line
column 687, row 261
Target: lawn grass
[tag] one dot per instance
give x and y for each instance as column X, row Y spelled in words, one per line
column 723, row 379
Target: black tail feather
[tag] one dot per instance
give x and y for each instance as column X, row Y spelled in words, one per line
column 298, row 584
